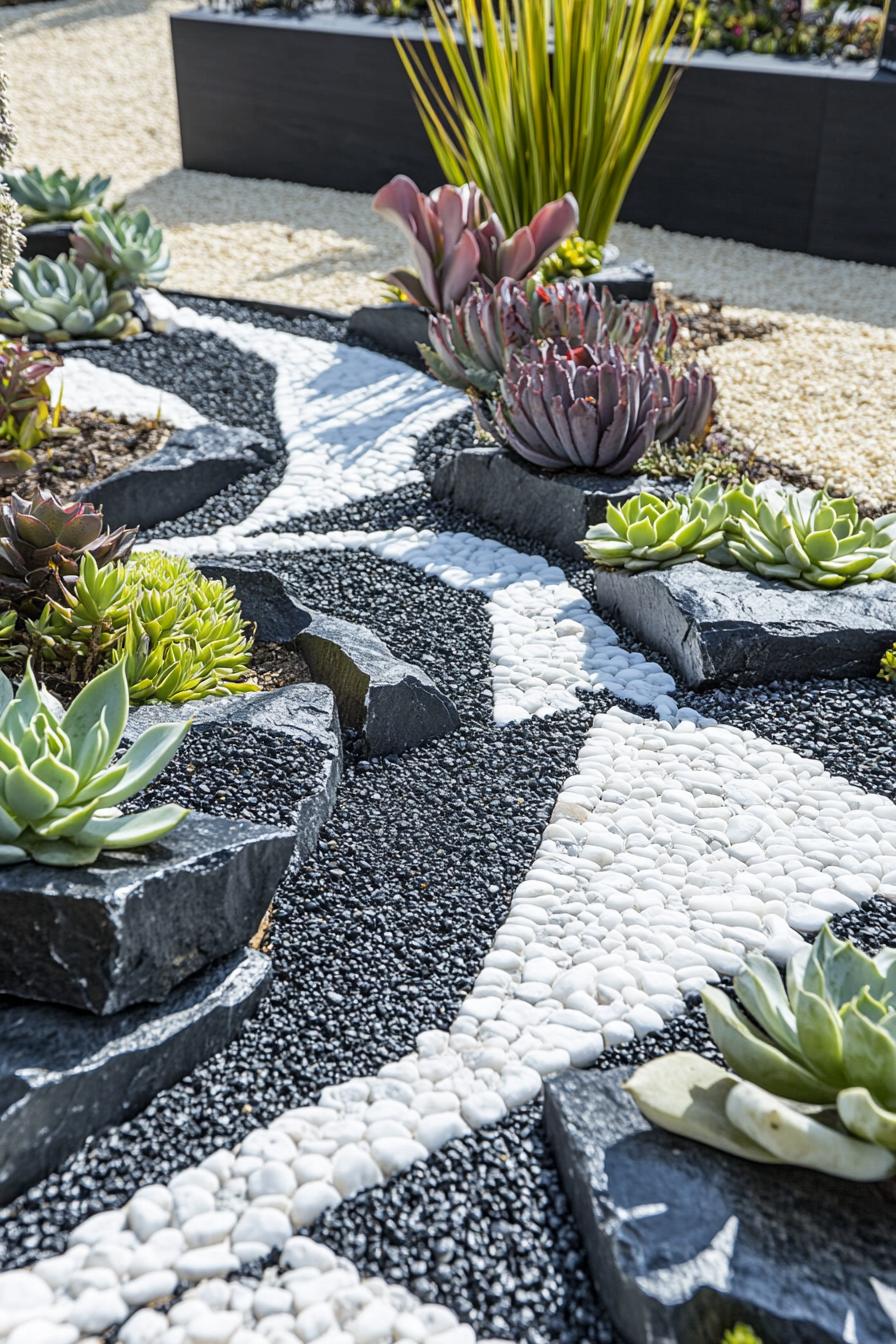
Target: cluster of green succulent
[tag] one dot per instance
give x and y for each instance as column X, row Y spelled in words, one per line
column 740, row 1334
column 813, row 1062
column 888, row 665
column 62, row 301
column 28, row 414
column 576, row 256
column 128, row 249
column 806, row 538
column 59, row 786
column 785, row 28
column 54, row 197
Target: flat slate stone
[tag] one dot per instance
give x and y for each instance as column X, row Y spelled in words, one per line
column 684, row 1241
column 192, row 466
column 396, row 327
column 395, row 705
column 47, row 239
column 304, row 711
column 554, row 507
column 626, row 279
column 727, row 625
column 65, row 1075
column 133, row 925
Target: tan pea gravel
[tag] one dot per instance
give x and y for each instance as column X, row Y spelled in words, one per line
column 819, row 393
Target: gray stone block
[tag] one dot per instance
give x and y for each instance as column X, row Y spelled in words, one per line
column 394, row 327
column 395, row 705
column 65, row 1075
column 684, row 1241
column 131, row 926
column 556, row 508
column 191, row 467
column 727, row 625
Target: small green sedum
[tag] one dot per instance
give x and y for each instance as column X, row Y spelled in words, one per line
column 59, row 787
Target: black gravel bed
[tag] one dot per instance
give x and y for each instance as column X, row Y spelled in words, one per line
column 231, row 770
column 376, row 938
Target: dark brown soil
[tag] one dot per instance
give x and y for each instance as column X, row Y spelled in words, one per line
column 276, row 665
column 103, row 445
column 704, row 325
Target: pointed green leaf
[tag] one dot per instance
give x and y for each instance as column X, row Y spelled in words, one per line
column 11, row 854
column 760, row 989
column 26, row 796
column 57, row 775
column 108, row 694
column 147, row 758
column 820, row 1037
column 862, row 1116
column 752, row 1055
column 869, row 1056
column 63, row 854
column 139, row 828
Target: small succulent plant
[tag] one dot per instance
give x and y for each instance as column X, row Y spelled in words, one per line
column 62, row 301
column 813, row 1060
column 56, row 196
column 128, row 249
column 740, row 1334
column 471, row 344
column 28, row 414
column 457, row 240
column 647, row 532
column 576, row 256
column 887, row 670
column 59, row 787
column 43, row 542
column 808, row 538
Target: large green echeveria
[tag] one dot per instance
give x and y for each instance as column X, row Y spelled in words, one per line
column 647, row 532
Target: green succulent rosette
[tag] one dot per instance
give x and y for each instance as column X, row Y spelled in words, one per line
column 650, row 532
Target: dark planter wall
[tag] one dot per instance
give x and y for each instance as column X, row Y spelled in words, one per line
column 785, row 154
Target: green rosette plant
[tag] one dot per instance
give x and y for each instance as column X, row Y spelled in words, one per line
column 808, row 538
column 576, row 256
column 887, row 670
column 128, row 249
column 59, row 785
column 59, row 300
column 55, row 196
column 43, row 543
column 648, row 532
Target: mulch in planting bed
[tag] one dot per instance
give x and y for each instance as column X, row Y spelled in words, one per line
column 275, row 665
column 103, row 445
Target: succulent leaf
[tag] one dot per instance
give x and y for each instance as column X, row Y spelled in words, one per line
column 63, row 300
column 55, row 196
column 647, row 532
column 128, row 249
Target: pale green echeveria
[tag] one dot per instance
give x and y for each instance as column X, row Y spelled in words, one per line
column 59, row 784
column 828, row 1037
column 648, row 532
column 61, row 301
column 129, row 249
column 807, row 537
column 54, row 196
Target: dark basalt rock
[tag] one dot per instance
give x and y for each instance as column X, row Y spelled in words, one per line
column 133, row 925
column 684, row 1241
column 47, row 239
column 395, row 327
column 395, row 705
column 188, row 469
column 65, row 1075
column 727, row 625
column 555, row 507
column 304, row 711
column 625, row 279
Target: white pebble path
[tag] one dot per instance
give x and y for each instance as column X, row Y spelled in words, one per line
column 671, row 851
column 547, row 643
column 350, row 418
column 85, row 387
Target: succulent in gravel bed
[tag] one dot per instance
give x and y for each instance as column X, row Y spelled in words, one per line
column 807, row 537
column 471, row 344
column 54, row 196
column 62, row 301
column 457, row 239
column 574, row 256
column 28, row 415
column 647, row 532
column 59, row 788
column 592, row 407
column 128, row 249
column 43, row 543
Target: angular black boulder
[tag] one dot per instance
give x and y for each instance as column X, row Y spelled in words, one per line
column 727, row 625
column 65, row 1075
column 192, row 466
column 684, row 1241
column 556, row 507
column 133, row 925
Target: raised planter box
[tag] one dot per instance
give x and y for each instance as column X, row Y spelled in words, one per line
column 727, row 625
column 788, row 154
column 556, row 508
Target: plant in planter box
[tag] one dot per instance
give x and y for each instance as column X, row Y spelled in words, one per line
column 808, row 538
column 28, row 415
column 56, row 196
column 458, row 240
column 471, row 343
column 813, row 1060
column 647, row 532
column 128, row 249
column 561, row 406
column 62, row 301
column 59, row 786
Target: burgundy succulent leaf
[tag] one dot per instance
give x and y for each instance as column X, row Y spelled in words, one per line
column 42, row 543
column 688, row 398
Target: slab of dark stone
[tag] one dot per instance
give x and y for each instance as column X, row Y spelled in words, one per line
column 192, row 466
column 395, row 327
column 727, row 625
column 625, row 279
column 131, row 926
column 684, row 1241
column 48, row 239
column 304, row 712
column 394, row 704
column 554, row 507
column 65, row 1075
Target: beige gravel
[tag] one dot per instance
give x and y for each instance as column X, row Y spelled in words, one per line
column 820, row 393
